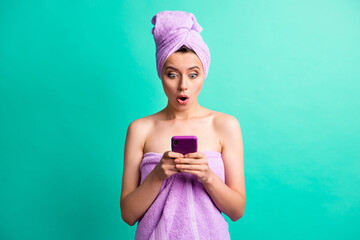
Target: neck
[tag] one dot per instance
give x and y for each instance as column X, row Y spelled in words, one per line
column 172, row 113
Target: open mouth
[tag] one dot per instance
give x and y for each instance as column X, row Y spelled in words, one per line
column 183, row 99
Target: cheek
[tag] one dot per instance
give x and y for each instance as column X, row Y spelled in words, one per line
column 168, row 89
column 198, row 88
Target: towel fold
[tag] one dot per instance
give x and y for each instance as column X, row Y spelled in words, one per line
column 183, row 209
column 171, row 30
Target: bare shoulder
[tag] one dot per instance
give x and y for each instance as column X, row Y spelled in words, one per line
column 229, row 132
column 226, row 126
column 133, row 153
column 225, row 122
column 141, row 124
column 140, row 128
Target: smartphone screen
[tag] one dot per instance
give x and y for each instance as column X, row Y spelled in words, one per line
column 184, row 144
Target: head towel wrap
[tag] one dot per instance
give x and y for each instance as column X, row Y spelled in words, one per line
column 172, row 30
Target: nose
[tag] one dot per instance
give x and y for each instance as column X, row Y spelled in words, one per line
column 183, row 85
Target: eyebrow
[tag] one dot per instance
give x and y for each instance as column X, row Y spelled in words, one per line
column 188, row 68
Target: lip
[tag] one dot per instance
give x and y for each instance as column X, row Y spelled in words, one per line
column 182, row 102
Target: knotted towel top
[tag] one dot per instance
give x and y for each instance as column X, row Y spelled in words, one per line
column 172, row 30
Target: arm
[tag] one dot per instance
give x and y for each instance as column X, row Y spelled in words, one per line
column 229, row 197
column 135, row 200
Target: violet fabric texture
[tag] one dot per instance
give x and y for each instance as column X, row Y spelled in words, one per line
column 183, row 209
column 171, row 30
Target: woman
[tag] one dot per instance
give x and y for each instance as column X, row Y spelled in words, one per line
column 175, row 196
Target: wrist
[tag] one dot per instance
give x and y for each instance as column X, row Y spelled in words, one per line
column 155, row 177
column 209, row 180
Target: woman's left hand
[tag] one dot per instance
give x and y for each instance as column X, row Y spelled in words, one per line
column 195, row 163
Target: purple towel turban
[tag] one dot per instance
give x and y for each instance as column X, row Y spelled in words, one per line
column 172, row 30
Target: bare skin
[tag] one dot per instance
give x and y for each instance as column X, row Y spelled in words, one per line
column 215, row 132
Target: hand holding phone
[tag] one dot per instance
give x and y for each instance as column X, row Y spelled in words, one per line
column 197, row 164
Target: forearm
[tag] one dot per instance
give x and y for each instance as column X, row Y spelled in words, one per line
column 135, row 204
column 229, row 201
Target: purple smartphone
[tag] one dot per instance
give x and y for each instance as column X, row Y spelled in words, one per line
column 184, row 144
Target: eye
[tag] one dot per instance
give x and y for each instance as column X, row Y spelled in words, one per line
column 171, row 75
column 193, row 75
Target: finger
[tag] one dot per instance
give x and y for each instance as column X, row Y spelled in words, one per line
column 195, row 155
column 175, row 170
column 201, row 177
column 189, row 161
column 190, row 167
column 195, row 172
column 171, row 155
column 175, row 154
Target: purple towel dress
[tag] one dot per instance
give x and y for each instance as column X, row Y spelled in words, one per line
column 183, row 209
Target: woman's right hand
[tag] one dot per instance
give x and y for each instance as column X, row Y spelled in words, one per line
column 167, row 166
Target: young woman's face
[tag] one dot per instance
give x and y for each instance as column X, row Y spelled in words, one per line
column 182, row 78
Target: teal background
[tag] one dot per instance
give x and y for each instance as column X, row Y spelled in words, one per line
column 74, row 74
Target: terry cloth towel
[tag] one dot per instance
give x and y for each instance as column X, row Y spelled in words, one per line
column 172, row 30
column 183, row 209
